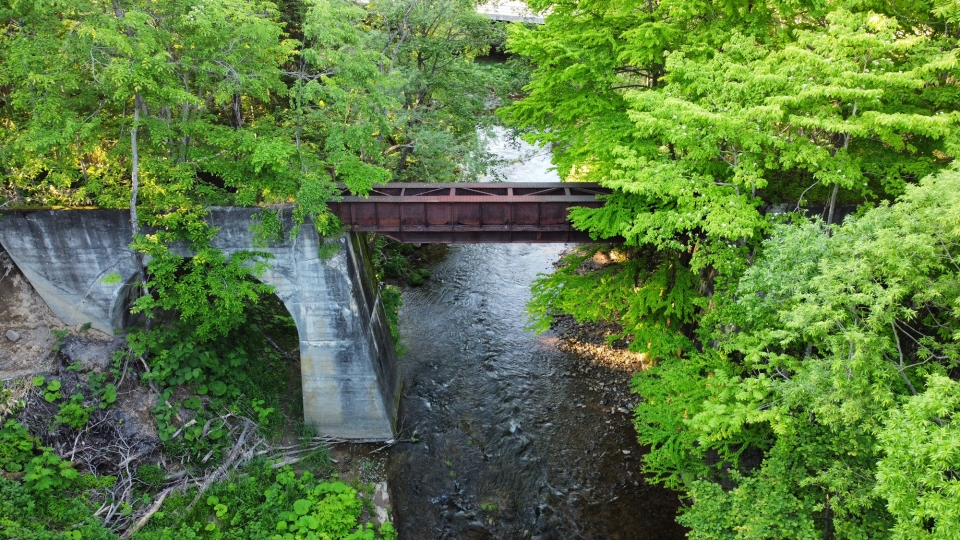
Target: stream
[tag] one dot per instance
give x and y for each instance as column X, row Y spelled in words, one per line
column 513, row 437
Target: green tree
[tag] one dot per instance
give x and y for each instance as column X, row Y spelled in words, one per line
column 172, row 79
column 834, row 355
column 699, row 116
column 339, row 102
column 918, row 473
column 782, row 349
column 430, row 49
column 185, row 103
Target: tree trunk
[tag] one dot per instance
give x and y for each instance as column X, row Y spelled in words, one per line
column 138, row 104
column 836, row 185
column 237, row 111
column 135, row 190
column 403, row 160
column 833, row 203
column 135, row 168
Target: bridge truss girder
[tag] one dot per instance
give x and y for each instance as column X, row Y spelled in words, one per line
column 462, row 213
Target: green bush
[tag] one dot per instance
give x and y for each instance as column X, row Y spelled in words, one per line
column 264, row 503
column 238, row 371
column 25, row 515
column 16, row 446
column 418, row 277
column 41, row 505
column 73, row 415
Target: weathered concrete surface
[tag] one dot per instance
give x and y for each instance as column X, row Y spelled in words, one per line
column 347, row 356
column 66, row 256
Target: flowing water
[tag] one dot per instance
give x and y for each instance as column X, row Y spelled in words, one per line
column 512, row 440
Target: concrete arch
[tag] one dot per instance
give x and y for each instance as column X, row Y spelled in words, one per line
column 350, row 386
column 288, row 293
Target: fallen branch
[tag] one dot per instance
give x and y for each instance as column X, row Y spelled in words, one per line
column 224, row 467
column 277, row 348
column 149, row 513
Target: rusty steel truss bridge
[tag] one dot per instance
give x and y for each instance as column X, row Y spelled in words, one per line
column 461, row 213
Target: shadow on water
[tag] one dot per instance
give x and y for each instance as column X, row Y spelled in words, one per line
column 514, row 438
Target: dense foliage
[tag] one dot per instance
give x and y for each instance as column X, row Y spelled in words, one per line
column 55, row 501
column 270, row 504
column 806, row 384
column 829, row 386
column 237, row 102
column 700, row 115
column 51, row 497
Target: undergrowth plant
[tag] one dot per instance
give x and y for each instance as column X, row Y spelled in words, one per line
column 240, row 372
column 268, row 503
column 44, row 497
column 206, row 339
column 38, row 491
column 390, row 260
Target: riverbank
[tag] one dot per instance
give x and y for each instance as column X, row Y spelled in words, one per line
column 608, row 366
column 26, row 325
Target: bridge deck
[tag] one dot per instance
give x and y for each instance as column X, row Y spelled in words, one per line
column 470, row 213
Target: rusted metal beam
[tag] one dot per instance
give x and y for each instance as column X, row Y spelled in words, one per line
column 470, row 213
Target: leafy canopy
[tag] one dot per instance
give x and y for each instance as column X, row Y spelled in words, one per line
column 702, row 115
column 796, row 358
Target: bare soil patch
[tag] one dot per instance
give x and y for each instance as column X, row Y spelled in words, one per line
column 26, row 319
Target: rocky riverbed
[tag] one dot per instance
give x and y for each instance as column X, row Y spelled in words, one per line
column 508, row 434
column 606, row 367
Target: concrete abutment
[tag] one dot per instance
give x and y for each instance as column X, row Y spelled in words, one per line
column 347, row 355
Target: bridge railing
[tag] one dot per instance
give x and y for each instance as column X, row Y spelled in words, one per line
column 470, row 213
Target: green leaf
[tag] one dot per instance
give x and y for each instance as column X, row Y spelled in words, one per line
column 193, row 403
column 218, row 388
column 302, row 506
column 110, row 393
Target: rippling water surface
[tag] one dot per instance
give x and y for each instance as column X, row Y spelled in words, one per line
column 511, row 440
